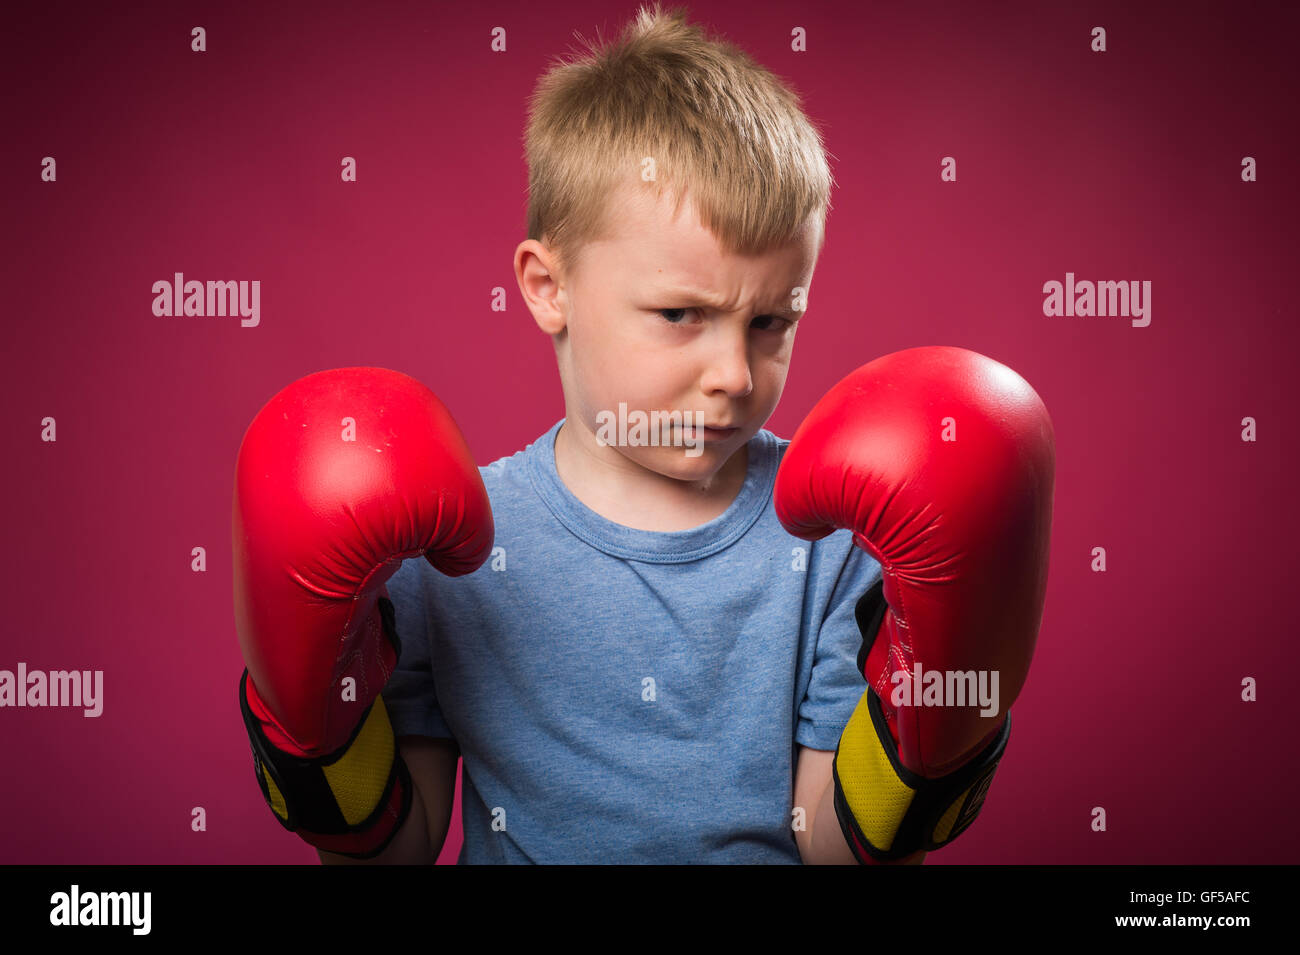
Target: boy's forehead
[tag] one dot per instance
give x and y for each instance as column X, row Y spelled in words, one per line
column 659, row 231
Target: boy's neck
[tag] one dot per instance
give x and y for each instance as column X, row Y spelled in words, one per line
column 623, row 492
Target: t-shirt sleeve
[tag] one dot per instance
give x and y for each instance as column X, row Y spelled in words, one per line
column 409, row 693
column 836, row 685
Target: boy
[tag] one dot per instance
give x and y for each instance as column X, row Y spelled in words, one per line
column 650, row 668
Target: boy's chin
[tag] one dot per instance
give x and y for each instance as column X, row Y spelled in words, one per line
column 687, row 463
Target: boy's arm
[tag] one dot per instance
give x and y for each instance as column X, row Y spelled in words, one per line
column 432, row 765
column 815, row 792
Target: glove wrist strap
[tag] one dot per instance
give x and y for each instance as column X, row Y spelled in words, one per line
column 351, row 801
column 886, row 811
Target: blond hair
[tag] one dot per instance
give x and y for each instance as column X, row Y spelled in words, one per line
column 714, row 121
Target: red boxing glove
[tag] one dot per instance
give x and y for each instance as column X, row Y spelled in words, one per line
column 340, row 477
column 941, row 461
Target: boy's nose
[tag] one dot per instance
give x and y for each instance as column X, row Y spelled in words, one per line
column 727, row 370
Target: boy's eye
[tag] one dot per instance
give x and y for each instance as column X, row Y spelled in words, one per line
column 764, row 323
column 772, row 323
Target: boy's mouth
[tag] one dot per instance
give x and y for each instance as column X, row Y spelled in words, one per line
column 708, row 431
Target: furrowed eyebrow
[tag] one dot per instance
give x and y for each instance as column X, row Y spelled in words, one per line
column 694, row 297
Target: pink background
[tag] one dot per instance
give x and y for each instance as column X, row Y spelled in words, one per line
column 225, row 165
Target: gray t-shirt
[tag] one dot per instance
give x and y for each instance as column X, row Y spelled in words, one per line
column 631, row 696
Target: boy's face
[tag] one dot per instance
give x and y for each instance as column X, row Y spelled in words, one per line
column 659, row 318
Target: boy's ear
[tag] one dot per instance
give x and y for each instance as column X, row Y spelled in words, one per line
column 536, row 271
